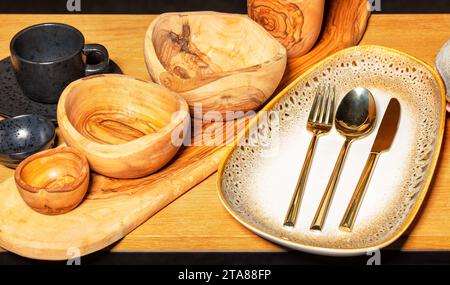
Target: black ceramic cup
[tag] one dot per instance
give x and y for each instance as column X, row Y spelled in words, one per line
column 47, row 57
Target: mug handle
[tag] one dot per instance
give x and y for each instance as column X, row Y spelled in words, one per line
column 103, row 65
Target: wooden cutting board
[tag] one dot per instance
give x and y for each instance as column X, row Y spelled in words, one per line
column 115, row 207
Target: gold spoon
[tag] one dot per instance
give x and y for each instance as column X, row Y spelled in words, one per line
column 355, row 118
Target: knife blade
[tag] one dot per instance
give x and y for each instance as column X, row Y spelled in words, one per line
column 383, row 141
column 388, row 127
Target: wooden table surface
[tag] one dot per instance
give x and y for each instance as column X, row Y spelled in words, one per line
column 197, row 221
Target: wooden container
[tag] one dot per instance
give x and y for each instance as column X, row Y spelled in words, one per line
column 115, row 207
column 53, row 182
column 225, row 62
column 126, row 127
column 294, row 23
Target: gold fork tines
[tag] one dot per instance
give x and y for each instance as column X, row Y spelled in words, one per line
column 320, row 122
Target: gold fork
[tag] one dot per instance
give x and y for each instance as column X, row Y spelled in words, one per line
column 320, row 122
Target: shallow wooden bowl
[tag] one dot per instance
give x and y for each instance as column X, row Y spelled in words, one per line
column 225, row 62
column 54, row 181
column 126, row 127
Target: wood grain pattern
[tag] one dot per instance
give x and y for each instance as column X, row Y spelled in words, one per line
column 294, row 23
column 54, row 181
column 127, row 128
column 346, row 21
column 185, row 225
column 211, row 59
column 218, row 231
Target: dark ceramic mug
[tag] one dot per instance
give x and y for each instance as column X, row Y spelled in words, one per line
column 47, row 57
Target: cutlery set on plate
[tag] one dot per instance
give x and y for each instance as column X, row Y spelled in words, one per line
column 250, row 191
column 355, row 118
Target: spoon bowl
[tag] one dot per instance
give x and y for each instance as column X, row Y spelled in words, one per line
column 356, row 113
column 355, row 118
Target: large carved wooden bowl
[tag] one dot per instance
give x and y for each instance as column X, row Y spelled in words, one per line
column 225, row 62
column 126, row 127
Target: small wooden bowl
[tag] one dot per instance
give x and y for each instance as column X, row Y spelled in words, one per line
column 225, row 62
column 126, row 127
column 53, row 182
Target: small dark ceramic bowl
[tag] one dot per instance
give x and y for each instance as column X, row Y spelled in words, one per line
column 23, row 136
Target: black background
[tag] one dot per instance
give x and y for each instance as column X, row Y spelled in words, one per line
column 233, row 6
column 160, row 6
column 105, row 257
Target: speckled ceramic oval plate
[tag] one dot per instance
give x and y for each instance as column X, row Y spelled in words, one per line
column 256, row 180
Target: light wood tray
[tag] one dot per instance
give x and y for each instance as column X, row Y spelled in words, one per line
column 114, row 207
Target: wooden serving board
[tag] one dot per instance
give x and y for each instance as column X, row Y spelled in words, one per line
column 115, row 207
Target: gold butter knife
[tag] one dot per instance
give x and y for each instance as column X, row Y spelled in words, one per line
column 383, row 141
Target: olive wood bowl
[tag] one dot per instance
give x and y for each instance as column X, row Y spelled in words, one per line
column 221, row 62
column 54, row 181
column 127, row 128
